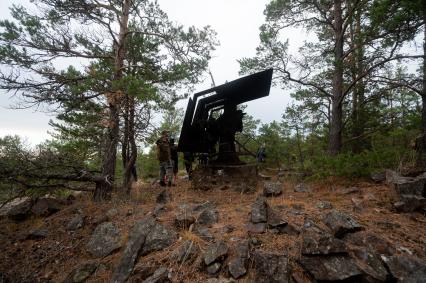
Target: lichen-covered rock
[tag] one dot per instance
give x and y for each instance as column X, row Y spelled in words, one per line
column 331, row 268
column 161, row 275
column 215, row 252
column 256, row 228
column 213, row 268
column 199, row 207
column 410, row 203
column 111, row 213
column 158, row 238
column 271, row 267
column 208, row 217
column 237, row 266
column 81, row 272
column 46, row 206
column 370, row 241
column 302, row 188
column 274, row 219
column 407, row 269
column 203, row 232
column 370, row 263
column 406, row 185
column 324, row 205
column 158, row 209
column 187, row 252
column 289, row 229
column 37, row 234
column 76, row 222
column 184, row 220
column 19, row 209
column 271, row 189
column 259, row 210
column 341, row 223
column 322, row 244
column 378, row 176
column 136, row 239
column 105, row 239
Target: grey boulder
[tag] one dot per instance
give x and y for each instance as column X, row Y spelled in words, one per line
column 407, row 269
column 81, row 272
column 215, row 252
column 271, row 267
column 259, row 210
column 136, row 239
column 322, row 244
column 341, row 223
column 161, row 275
column 187, row 252
column 271, row 189
column 76, row 222
column 331, row 268
column 105, row 239
column 159, row 237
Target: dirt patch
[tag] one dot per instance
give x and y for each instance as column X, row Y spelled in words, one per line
column 51, row 259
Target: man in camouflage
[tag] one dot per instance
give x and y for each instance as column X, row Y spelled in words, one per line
column 164, row 158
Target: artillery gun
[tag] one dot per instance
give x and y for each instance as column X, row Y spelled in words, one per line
column 212, row 119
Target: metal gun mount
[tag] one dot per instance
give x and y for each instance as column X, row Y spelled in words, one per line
column 212, row 118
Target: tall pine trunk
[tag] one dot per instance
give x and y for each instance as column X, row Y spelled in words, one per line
column 129, row 167
column 336, row 122
column 424, row 78
column 358, row 103
column 103, row 189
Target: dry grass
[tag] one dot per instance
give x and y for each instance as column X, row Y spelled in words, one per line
column 55, row 256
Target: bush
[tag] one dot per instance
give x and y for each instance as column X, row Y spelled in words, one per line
column 359, row 165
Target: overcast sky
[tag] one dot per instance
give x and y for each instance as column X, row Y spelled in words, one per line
column 237, row 25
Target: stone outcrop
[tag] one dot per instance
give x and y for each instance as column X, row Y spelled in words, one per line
column 410, row 190
column 259, row 210
column 18, row 209
column 208, row 217
column 187, row 252
column 302, row 188
column 136, row 240
column 76, row 222
column 81, row 272
column 215, row 252
column 321, row 243
column 105, row 239
column 271, row 267
column 406, row 268
column 341, row 223
column 158, row 238
column 237, row 266
column 161, row 275
column 46, row 206
column 331, row 268
column 272, row 189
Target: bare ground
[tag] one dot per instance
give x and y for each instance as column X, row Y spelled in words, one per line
column 52, row 258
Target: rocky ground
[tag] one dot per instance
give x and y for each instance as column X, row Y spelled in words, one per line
column 285, row 231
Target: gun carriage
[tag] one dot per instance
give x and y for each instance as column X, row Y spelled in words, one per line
column 212, row 119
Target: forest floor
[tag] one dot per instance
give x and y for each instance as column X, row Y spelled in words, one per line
column 52, row 258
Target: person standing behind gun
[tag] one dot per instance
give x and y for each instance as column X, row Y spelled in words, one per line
column 261, row 154
column 175, row 159
column 164, row 158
